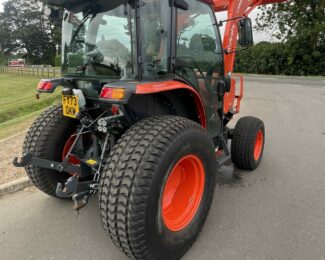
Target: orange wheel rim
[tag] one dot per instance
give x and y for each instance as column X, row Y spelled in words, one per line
column 258, row 145
column 72, row 159
column 183, row 192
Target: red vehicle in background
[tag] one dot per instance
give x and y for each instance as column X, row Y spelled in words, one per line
column 17, row 63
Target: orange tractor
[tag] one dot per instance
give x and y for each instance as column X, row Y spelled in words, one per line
column 147, row 94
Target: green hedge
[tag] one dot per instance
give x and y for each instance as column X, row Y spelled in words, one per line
column 281, row 58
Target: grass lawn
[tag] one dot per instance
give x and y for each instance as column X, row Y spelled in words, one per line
column 18, row 105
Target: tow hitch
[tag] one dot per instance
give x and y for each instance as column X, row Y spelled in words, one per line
column 78, row 191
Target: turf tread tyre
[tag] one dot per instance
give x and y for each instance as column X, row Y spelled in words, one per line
column 243, row 142
column 128, row 177
column 50, row 124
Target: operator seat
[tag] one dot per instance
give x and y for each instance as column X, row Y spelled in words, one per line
column 183, row 67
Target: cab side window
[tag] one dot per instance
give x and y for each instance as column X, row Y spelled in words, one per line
column 155, row 37
column 198, row 46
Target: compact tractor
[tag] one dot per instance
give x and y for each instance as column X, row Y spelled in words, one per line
column 147, row 95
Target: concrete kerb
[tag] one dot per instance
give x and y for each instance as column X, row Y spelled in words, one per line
column 14, row 186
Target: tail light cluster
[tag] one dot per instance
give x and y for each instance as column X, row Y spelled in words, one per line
column 49, row 85
column 112, row 93
column 44, row 85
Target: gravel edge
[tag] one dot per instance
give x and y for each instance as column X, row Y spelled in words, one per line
column 14, row 186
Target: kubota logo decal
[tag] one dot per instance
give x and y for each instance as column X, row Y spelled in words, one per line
column 231, row 37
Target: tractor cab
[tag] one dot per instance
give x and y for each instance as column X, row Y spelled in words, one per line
column 148, row 40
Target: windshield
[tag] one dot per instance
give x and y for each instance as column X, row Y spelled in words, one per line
column 97, row 44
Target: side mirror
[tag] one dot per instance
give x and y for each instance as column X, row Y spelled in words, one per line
column 245, row 31
column 181, row 4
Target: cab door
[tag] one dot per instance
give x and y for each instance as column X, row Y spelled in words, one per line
column 199, row 58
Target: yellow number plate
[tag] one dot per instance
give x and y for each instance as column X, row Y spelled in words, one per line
column 70, row 106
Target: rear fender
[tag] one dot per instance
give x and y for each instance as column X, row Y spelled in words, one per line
column 158, row 87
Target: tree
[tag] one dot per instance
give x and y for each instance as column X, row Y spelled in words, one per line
column 300, row 25
column 3, row 59
column 26, row 29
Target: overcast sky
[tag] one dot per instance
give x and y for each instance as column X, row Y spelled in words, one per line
column 1, row 7
column 258, row 36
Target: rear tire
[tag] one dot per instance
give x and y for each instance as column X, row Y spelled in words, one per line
column 136, row 178
column 247, row 144
column 46, row 139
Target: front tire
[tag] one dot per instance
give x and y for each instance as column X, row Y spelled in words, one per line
column 157, row 187
column 247, row 144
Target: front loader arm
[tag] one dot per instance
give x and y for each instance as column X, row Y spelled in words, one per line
column 235, row 8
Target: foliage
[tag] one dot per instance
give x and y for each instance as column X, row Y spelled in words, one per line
column 3, row 59
column 75, row 59
column 276, row 58
column 264, row 58
column 26, row 30
column 58, row 59
column 300, row 25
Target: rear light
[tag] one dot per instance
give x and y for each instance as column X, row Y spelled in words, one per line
column 45, row 85
column 115, row 110
column 112, row 93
